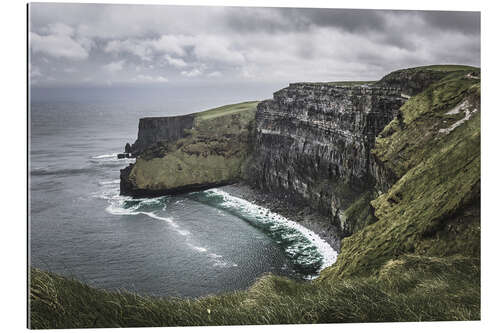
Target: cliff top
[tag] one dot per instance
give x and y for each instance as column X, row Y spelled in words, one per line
column 214, row 112
column 226, row 110
column 441, row 68
column 435, row 73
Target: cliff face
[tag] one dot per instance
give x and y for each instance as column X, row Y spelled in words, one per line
column 313, row 142
column 160, row 129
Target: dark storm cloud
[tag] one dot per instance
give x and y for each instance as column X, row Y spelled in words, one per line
column 351, row 20
column 299, row 19
column 465, row 22
column 138, row 44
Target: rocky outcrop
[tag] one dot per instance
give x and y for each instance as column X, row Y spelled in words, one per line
column 313, row 142
column 159, row 129
column 413, row 81
column 189, row 153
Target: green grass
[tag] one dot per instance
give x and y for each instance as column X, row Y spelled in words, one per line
column 340, row 83
column 414, row 288
column 433, row 209
column 227, row 110
column 447, row 68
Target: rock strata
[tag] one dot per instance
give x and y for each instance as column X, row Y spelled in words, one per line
column 160, row 129
column 313, row 142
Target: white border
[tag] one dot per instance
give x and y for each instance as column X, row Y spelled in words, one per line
column 13, row 165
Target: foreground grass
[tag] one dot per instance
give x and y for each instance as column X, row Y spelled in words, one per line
column 413, row 288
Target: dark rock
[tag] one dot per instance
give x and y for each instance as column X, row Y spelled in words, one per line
column 411, row 81
column 160, row 129
column 123, row 155
column 313, row 142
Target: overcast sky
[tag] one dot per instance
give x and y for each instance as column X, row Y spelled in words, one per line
column 134, row 45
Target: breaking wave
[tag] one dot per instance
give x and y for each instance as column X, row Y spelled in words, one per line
column 309, row 253
column 154, row 208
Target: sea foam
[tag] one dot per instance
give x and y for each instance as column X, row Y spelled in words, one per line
column 302, row 248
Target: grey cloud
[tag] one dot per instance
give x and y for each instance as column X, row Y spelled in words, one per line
column 465, row 22
column 275, row 20
column 125, row 44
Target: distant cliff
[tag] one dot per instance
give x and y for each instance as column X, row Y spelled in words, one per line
column 189, row 153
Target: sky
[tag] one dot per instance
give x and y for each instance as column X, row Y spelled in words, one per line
column 138, row 46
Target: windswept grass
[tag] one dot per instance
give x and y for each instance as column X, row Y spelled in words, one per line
column 341, row 83
column 227, row 110
column 413, row 288
column 447, row 68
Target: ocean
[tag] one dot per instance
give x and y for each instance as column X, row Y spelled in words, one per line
column 188, row 245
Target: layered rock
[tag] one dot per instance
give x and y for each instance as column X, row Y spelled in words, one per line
column 313, row 142
column 159, row 129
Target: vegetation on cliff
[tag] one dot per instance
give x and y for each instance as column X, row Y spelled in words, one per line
column 433, row 208
column 419, row 259
column 211, row 153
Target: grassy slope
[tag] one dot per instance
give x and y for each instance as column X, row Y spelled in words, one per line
column 447, row 68
column 226, row 110
column 433, row 208
column 341, row 83
column 213, row 153
column 419, row 261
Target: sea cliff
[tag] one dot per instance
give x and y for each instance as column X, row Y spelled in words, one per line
column 413, row 174
column 189, row 153
column 313, row 141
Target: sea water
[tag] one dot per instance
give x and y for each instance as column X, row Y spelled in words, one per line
column 187, row 245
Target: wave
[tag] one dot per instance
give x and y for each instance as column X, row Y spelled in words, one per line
column 112, row 155
column 110, row 160
column 110, row 182
column 308, row 251
column 124, row 205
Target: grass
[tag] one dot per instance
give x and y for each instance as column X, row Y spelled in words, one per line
column 418, row 261
column 414, row 288
column 340, row 83
column 433, row 208
column 447, row 68
column 227, row 110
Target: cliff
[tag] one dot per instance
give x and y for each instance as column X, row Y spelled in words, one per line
column 160, row 129
column 412, row 81
column 189, row 153
column 313, row 141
